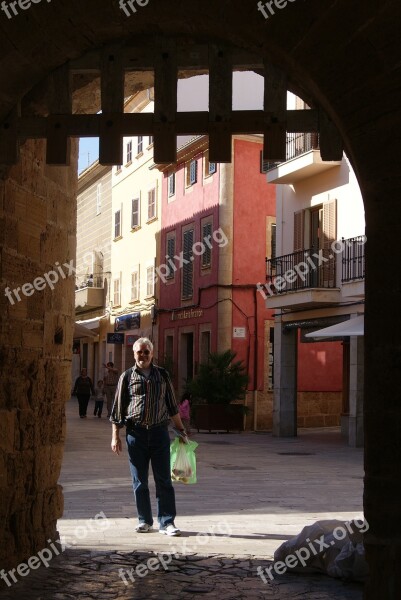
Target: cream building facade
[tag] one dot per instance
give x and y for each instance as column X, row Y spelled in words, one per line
column 317, row 279
column 136, row 218
column 93, row 270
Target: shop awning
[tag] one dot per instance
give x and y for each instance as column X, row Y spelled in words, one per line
column 80, row 331
column 351, row 327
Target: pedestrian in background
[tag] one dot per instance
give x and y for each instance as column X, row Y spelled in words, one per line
column 83, row 388
column 110, row 381
column 145, row 403
column 185, row 411
column 99, row 398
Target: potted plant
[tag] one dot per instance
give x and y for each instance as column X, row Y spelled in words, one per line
column 218, row 383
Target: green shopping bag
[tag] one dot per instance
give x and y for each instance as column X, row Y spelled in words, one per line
column 183, row 461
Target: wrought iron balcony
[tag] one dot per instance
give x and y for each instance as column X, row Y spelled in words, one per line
column 300, row 270
column 353, row 259
column 297, row 144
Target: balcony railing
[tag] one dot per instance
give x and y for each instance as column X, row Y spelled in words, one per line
column 94, row 280
column 301, row 270
column 297, row 144
column 353, row 259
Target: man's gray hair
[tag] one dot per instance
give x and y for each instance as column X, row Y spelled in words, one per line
column 140, row 341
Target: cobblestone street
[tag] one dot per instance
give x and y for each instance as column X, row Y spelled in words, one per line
column 253, row 492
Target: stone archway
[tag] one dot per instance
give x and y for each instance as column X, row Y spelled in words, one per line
column 346, row 60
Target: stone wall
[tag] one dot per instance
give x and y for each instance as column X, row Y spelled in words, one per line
column 315, row 409
column 319, row 409
column 37, row 235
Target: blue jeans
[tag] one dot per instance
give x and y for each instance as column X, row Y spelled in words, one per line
column 144, row 446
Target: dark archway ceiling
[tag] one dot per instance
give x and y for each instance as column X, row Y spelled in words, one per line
column 347, row 56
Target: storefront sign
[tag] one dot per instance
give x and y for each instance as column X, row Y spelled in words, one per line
column 131, row 339
column 115, row 338
column 191, row 313
column 127, row 322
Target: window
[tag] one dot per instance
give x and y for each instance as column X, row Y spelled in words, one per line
column 99, row 199
column 210, row 167
column 206, row 260
column 151, row 138
column 117, row 291
column 129, row 151
column 135, row 285
column 151, row 204
column 135, row 217
column 188, row 267
column 171, row 185
column 140, row 144
column 117, row 224
column 170, row 252
column 118, row 169
column 192, row 172
column 150, row 281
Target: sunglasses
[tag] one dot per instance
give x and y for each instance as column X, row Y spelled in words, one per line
column 146, row 352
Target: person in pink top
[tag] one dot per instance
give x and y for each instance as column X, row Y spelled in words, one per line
column 185, row 410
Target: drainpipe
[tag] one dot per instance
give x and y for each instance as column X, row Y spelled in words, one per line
column 255, row 363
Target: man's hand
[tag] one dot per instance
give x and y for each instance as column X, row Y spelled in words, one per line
column 116, row 445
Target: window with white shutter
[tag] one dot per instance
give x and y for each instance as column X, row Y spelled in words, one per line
column 150, row 281
column 135, row 217
column 151, row 204
column 135, row 285
column 129, row 151
column 117, row 224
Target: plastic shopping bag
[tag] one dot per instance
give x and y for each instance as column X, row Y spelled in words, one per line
column 183, row 461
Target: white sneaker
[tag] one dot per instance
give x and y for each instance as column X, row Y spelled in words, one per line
column 170, row 529
column 143, row 528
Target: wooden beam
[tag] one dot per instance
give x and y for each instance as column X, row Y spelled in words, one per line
column 275, row 107
column 187, row 123
column 112, row 102
column 58, row 147
column 330, row 141
column 139, row 56
column 220, row 103
column 165, row 112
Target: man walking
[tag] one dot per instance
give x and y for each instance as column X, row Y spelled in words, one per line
column 144, row 403
column 110, row 381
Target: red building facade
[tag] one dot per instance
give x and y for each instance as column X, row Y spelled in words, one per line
column 217, row 228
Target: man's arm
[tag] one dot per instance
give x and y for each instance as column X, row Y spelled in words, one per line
column 115, row 439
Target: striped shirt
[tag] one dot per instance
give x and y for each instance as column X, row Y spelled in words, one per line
column 144, row 400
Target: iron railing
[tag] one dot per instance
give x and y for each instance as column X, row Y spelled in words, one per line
column 353, row 259
column 297, row 144
column 301, row 270
column 92, row 280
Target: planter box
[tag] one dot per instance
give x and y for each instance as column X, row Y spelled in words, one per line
column 218, row 417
